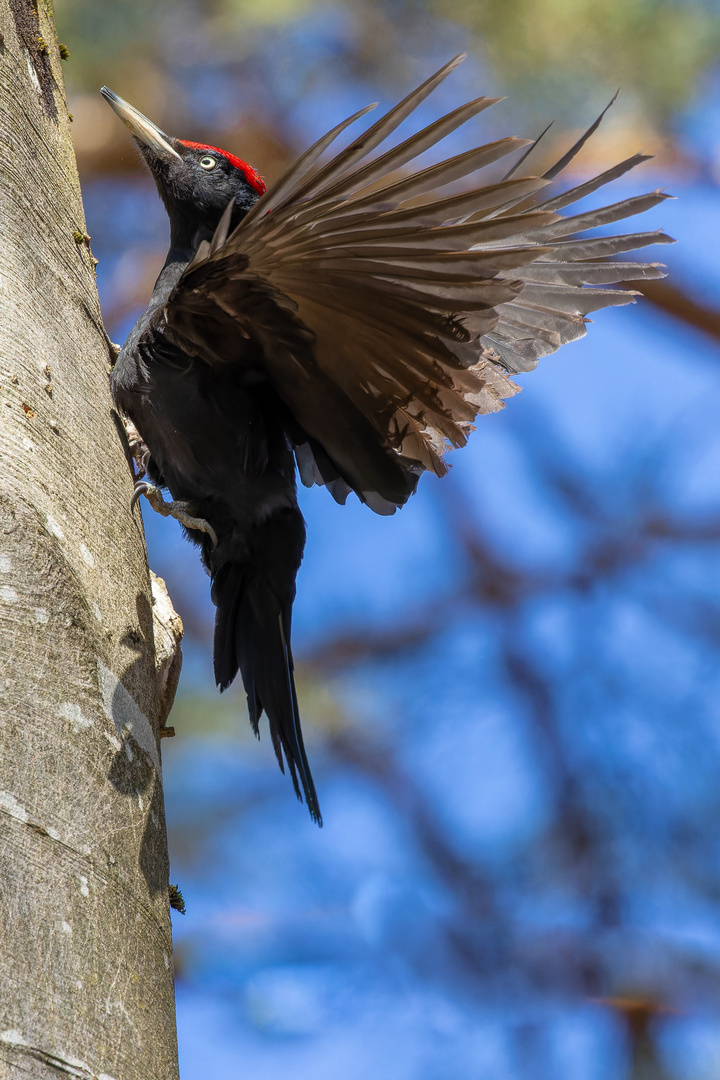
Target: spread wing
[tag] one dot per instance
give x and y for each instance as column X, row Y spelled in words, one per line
column 389, row 316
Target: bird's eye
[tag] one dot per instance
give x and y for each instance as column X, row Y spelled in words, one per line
column 208, row 162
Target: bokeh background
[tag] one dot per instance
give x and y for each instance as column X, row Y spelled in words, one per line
column 511, row 689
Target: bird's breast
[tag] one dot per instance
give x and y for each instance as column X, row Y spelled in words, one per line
column 211, row 434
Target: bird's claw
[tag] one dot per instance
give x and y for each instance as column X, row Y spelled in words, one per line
column 140, row 488
column 178, row 510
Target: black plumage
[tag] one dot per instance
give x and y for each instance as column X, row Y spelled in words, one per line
column 353, row 322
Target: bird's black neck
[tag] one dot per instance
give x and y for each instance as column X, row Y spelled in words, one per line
column 169, row 276
column 185, row 238
column 184, row 242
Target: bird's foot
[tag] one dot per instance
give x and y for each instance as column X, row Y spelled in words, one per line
column 138, row 449
column 113, row 350
column 178, row 510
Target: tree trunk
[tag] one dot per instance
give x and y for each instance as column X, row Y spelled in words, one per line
column 89, row 650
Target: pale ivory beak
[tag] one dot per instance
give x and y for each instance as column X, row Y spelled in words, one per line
column 143, row 129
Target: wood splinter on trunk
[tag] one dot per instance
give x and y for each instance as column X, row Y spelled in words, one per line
column 168, row 632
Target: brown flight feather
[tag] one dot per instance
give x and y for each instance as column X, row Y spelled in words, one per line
column 414, row 313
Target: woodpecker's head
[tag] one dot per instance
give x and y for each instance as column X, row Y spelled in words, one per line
column 196, row 182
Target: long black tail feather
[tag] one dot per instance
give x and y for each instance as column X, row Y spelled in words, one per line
column 252, row 634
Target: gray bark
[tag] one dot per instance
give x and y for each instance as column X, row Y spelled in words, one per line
column 89, row 650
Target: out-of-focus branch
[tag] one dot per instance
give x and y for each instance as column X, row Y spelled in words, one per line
column 675, row 301
column 576, row 826
column 493, row 584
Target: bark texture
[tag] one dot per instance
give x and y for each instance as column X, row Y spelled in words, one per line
column 89, row 647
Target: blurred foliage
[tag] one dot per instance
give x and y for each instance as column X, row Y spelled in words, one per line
column 655, row 49
column 550, row 51
column 227, row 717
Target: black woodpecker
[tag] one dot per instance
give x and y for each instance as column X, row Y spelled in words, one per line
column 351, row 323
